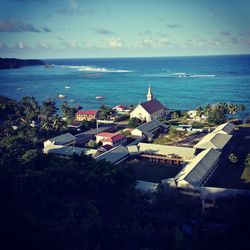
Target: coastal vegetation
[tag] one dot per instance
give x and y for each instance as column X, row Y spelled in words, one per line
column 10, row 63
column 216, row 113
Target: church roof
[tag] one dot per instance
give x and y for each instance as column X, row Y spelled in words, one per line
column 152, row 106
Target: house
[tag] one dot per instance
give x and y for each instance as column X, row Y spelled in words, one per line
column 120, row 108
column 86, row 115
column 149, row 110
column 112, row 139
column 213, row 140
column 115, row 155
column 67, row 151
column 166, row 154
column 64, row 139
column 150, row 129
column 196, row 173
column 225, row 128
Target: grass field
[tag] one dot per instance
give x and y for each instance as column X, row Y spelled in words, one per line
column 155, row 172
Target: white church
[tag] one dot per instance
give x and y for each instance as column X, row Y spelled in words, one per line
column 149, row 110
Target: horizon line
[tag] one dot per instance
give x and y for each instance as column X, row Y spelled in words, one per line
column 127, row 57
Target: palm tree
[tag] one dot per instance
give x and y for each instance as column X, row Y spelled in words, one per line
column 199, row 112
column 232, row 109
column 207, row 109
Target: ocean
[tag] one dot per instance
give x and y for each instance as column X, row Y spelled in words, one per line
column 180, row 83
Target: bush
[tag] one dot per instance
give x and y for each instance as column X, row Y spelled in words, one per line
column 233, row 158
column 121, row 118
column 134, row 122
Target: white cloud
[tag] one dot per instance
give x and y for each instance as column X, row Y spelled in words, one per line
column 115, row 43
column 156, row 43
column 21, row 45
column 43, row 45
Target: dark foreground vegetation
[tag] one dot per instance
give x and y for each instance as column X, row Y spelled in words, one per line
column 11, row 63
column 51, row 203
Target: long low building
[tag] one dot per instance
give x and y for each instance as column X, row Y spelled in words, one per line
column 67, row 151
column 115, row 155
column 196, row 173
column 166, row 154
column 213, row 140
column 64, row 139
column 225, row 128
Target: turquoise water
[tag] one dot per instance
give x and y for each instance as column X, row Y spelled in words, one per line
column 178, row 82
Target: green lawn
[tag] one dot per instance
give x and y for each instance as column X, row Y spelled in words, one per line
column 155, row 172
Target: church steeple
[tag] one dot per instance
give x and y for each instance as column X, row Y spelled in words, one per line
column 149, row 95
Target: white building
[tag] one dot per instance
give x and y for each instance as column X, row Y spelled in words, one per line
column 150, row 129
column 151, row 109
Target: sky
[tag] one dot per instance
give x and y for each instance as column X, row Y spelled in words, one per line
column 115, row 28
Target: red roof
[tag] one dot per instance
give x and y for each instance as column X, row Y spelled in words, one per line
column 87, row 112
column 152, row 106
column 120, row 107
column 111, row 137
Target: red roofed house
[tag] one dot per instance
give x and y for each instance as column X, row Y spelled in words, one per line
column 119, row 108
column 149, row 110
column 112, row 139
column 86, row 115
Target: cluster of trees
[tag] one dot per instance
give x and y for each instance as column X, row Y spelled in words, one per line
column 216, row 113
column 134, row 122
column 105, row 112
column 79, row 203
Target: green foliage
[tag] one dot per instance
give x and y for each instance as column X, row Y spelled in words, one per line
column 121, row 118
column 105, row 112
column 31, row 108
column 216, row 113
column 9, row 109
column 134, row 122
column 176, row 114
column 49, row 108
column 68, row 112
column 233, row 158
column 92, row 144
column 86, row 125
column 172, row 136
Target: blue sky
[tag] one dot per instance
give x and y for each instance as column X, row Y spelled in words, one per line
column 115, row 28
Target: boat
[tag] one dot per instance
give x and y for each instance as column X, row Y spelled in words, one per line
column 99, row 97
column 67, row 87
column 62, row 96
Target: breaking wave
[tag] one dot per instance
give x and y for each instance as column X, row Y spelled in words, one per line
column 97, row 69
column 183, row 74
